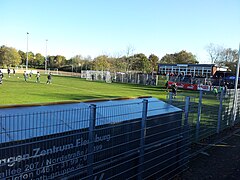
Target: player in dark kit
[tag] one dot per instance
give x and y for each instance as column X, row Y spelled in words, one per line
column 174, row 89
column 8, row 71
column 49, row 78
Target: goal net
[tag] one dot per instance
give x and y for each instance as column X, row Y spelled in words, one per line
column 97, row 76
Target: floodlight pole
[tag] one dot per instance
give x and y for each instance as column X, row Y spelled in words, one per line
column 80, row 68
column 27, row 53
column 46, row 58
column 236, row 90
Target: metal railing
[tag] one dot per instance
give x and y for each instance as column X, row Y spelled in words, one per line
column 147, row 139
column 209, row 115
column 143, row 139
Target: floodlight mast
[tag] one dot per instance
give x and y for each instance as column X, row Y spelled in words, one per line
column 46, row 58
column 27, row 53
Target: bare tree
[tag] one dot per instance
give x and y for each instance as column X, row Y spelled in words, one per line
column 214, row 52
column 229, row 55
column 129, row 52
column 117, row 55
column 222, row 56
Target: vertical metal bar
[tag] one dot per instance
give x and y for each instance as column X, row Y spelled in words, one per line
column 220, row 112
column 146, row 80
column 185, row 133
column 186, row 111
column 199, row 114
column 235, row 90
column 142, row 140
column 156, row 80
column 170, row 98
column 91, row 129
column 46, row 59
column 27, row 53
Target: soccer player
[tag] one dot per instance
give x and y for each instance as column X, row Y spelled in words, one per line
column 30, row 74
column 1, row 77
column 8, row 70
column 25, row 76
column 38, row 77
column 49, row 78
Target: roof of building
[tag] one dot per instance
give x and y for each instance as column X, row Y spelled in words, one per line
column 21, row 123
column 189, row 65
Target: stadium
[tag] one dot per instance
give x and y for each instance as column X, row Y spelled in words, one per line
column 119, row 90
column 102, row 135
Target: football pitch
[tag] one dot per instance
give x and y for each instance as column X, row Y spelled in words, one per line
column 15, row 91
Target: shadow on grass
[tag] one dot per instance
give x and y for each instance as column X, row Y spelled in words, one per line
column 74, row 97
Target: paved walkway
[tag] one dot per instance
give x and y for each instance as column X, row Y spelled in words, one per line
column 222, row 161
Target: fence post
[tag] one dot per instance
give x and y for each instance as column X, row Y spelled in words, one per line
column 199, row 114
column 185, row 133
column 91, row 129
column 220, row 112
column 156, row 80
column 146, row 80
column 142, row 140
column 186, row 111
column 170, row 98
column 235, row 100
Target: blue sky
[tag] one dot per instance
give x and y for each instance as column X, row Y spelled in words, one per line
column 95, row 27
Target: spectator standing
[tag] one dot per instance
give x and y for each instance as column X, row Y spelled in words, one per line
column 14, row 72
column 215, row 91
column 166, row 86
column 225, row 89
column 174, row 89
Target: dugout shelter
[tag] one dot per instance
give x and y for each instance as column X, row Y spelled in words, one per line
column 109, row 139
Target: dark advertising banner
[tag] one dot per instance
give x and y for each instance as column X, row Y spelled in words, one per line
column 115, row 151
column 49, row 157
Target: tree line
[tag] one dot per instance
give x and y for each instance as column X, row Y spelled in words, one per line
column 223, row 56
column 10, row 57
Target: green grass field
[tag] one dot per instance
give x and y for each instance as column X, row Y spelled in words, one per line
column 16, row 91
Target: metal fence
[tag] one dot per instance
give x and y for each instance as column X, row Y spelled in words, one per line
column 121, row 77
column 135, row 78
column 140, row 140
column 210, row 116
